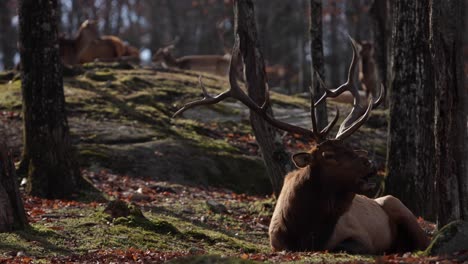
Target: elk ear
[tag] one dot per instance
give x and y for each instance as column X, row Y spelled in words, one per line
column 302, row 159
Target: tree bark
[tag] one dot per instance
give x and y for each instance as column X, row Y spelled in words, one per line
column 381, row 17
column 276, row 158
column 12, row 215
column 317, row 63
column 451, row 144
column 52, row 167
column 411, row 139
column 335, row 66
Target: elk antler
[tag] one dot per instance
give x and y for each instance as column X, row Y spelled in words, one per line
column 237, row 93
column 357, row 117
column 358, row 114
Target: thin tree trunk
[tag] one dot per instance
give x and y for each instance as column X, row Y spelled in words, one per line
column 7, row 35
column 381, row 17
column 451, row 115
column 276, row 158
column 52, row 167
column 12, row 215
column 411, row 139
column 318, row 63
column 335, row 73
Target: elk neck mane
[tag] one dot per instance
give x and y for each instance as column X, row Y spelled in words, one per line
column 311, row 207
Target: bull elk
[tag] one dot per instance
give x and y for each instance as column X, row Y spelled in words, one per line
column 320, row 206
column 215, row 64
column 368, row 75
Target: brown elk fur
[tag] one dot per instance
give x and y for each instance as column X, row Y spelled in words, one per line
column 88, row 46
column 131, row 51
column 106, row 47
column 368, row 75
column 70, row 49
column 216, row 64
column 319, row 208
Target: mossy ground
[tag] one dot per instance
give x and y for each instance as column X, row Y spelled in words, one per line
column 121, row 122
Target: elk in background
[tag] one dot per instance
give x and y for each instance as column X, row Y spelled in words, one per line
column 368, row 75
column 71, row 49
column 319, row 207
column 89, row 45
column 215, row 64
column 107, row 48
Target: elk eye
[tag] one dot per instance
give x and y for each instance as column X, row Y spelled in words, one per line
column 328, row 155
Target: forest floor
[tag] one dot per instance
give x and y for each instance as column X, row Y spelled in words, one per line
column 198, row 180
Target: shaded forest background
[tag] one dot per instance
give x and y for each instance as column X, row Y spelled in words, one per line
column 206, row 27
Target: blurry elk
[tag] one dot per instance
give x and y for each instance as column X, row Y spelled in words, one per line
column 71, row 49
column 215, row 64
column 320, row 206
column 89, row 46
column 368, row 75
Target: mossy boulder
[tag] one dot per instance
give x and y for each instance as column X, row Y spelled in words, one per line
column 451, row 238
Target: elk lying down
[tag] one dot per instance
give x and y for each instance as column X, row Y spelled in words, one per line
column 215, row 64
column 319, row 207
column 89, row 46
column 71, row 49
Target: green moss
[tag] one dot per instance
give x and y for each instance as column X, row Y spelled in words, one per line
column 160, row 227
column 10, row 95
column 136, row 83
column 285, row 100
column 100, row 76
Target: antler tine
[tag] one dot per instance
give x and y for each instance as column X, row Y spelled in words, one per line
column 381, row 97
column 348, row 85
column 207, row 100
column 346, row 132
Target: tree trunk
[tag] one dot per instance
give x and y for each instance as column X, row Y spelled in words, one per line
column 7, row 35
column 381, row 17
column 12, row 215
column 276, row 158
column 411, row 139
column 451, row 143
column 52, row 167
column 335, row 67
column 317, row 64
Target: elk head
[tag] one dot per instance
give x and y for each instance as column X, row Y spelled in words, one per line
column 88, row 30
column 339, row 165
column 162, row 53
column 366, row 49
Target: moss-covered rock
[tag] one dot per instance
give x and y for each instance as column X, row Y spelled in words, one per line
column 451, row 238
